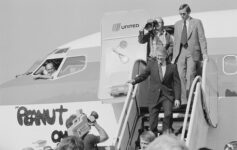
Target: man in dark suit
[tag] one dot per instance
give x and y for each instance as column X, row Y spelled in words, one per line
column 190, row 47
column 164, row 90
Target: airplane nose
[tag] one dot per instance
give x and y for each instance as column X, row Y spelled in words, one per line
column 45, row 92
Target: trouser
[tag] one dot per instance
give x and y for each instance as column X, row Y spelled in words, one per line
column 154, row 113
column 187, row 72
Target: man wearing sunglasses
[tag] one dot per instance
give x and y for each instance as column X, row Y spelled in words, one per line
column 190, row 48
column 164, row 90
column 156, row 37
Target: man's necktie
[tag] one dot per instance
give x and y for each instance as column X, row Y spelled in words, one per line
column 160, row 72
column 184, row 38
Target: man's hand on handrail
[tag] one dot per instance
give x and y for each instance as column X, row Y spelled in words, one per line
column 205, row 57
column 176, row 103
column 132, row 81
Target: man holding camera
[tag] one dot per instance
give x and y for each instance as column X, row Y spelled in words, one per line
column 156, row 38
column 90, row 140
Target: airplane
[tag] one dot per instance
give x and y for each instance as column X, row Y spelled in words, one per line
column 92, row 72
column 208, row 117
column 68, row 70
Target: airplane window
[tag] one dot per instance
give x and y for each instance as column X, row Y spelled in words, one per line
column 231, row 145
column 56, row 62
column 34, row 66
column 72, row 65
column 230, row 65
column 63, row 50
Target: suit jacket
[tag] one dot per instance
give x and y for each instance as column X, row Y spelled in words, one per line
column 170, row 86
column 197, row 43
column 145, row 38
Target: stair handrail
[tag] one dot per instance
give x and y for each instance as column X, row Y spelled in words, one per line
column 131, row 94
column 195, row 81
column 204, row 98
column 133, row 98
column 195, row 140
column 204, row 72
column 203, row 88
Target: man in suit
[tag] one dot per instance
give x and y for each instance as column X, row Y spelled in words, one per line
column 164, row 90
column 190, row 47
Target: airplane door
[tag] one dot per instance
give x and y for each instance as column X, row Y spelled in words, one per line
column 120, row 49
column 210, row 91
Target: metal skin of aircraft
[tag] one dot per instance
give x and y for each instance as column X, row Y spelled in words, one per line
column 85, row 75
column 213, row 119
column 63, row 88
column 75, row 88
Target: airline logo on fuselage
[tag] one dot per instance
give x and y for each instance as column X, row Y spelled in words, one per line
column 118, row 26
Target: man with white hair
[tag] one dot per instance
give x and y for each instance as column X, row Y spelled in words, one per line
column 164, row 90
column 167, row 142
column 145, row 138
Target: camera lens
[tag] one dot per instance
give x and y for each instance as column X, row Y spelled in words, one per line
column 148, row 25
column 155, row 23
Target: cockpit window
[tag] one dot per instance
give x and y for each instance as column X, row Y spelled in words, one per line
column 55, row 62
column 72, row 65
column 230, row 65
column 34, row 66
column 63, row 50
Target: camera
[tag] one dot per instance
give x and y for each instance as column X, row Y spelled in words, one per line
column 151, row 24
column 82, row 124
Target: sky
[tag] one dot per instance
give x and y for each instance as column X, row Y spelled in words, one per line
column 30, row 29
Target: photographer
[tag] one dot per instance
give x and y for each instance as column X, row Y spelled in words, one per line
column 157, row 38
column 145, row 38
column 70, row 143
column 90, row 140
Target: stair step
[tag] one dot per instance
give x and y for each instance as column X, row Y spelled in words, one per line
column 175, row 124
column 177, row 127
column 106, row 147
column 181, row 109
column 175, row 115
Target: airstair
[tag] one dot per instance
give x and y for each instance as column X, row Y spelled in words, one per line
column 190, row 122
column 122, row 59
column 211, row 106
